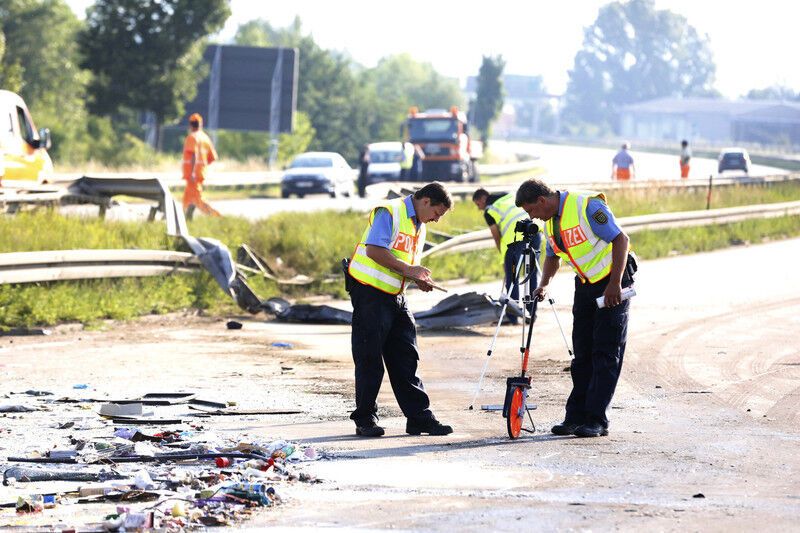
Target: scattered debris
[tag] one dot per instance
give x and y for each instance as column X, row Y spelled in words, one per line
column 305, row 313
column 699, row 495
column 232, row 324
column 176, row 479
column 16, row 409
column 281, row 344
column 462, row 310
column 246, row 411
column 113, row 410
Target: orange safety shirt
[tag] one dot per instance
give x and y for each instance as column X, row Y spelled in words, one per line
column 197, row 144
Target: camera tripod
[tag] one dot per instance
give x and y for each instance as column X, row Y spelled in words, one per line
column 516, row 405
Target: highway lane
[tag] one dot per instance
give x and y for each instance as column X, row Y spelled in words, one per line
column 561, row 165
column 571, row 164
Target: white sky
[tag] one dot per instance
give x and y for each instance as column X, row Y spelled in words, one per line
column 754, row 43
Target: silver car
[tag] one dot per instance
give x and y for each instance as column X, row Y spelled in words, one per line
column 318, row 173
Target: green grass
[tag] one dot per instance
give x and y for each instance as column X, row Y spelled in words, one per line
column 313, row 244
column 633, row 202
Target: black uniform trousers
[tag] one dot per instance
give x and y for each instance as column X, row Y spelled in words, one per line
column 598, row 338
column 513, row 253
column 384, row 332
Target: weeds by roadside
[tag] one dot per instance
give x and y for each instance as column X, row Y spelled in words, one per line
column 313, row 244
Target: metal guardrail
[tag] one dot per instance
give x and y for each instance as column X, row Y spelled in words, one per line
column 482, row 239
column 28, row 267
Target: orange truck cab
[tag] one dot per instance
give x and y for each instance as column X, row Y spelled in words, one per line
column 23, row 149
column 444, row 137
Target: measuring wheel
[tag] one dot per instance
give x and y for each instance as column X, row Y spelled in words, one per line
column 516, row 412
column 515, row 406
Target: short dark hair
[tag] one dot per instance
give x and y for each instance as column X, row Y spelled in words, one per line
column 684, row 143
column 530, row 190
column 437, row 194
column 480, row 193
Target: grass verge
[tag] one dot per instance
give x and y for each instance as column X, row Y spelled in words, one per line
column 312, row 245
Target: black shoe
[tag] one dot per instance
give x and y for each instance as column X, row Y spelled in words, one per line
column 430, row 426
column 370, row 430
column 565, row 428
column 591, row 429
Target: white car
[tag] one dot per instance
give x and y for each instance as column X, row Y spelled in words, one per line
column 384, row 161
column 318, row 173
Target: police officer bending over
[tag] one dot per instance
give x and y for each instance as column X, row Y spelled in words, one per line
column 386, row 258
column 581, row 229
column 502, row 216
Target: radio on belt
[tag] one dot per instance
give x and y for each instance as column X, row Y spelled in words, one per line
column 627, row 292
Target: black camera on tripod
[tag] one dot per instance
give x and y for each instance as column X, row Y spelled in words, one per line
column 527, row 227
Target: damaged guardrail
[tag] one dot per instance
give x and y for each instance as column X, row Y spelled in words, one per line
column 482, row 239
column 29, row 267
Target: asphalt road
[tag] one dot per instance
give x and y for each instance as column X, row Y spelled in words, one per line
column 704, row 425
column 560, row 164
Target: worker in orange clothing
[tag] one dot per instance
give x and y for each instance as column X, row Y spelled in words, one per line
column 686, row 156
column 622, row 167
column 198, row 153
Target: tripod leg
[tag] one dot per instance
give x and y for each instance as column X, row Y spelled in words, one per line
column 563, row 336
column 504, row 298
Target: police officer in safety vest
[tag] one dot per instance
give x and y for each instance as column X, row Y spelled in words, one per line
column 386, row 259
column 581, row 230
column 502, row 216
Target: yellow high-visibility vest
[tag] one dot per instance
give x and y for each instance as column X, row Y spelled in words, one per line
column 408, row 156
column 589, row 255
column 407, row 244
column 506, row 215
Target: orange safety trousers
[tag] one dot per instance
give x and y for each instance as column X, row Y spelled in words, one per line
column 193, row 195
column 623, row 174
column 684, row 171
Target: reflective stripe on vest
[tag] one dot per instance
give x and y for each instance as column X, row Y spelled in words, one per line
column 506, row 214
column 407, row 243
column 589, row 255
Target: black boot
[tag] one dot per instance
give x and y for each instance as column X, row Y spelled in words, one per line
column 431, row 426
column 369, row 429
column 565, row 428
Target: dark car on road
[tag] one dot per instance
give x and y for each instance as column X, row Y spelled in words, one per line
column 734, row 159
column 318, row 173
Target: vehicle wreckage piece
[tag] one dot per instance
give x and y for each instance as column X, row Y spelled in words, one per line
column 462, row 310
column 306, row 314
column 458, row 310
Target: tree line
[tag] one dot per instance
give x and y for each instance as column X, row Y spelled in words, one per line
column 90, row 81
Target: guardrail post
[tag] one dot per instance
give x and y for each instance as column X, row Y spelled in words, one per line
column 708, row 196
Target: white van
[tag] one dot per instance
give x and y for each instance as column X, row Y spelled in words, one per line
column 384, row 161
column 23, row 149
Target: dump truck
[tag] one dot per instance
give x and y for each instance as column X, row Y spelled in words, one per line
column 450, row 153
column 23, row 149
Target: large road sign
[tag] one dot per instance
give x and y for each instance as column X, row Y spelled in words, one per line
column 247, row 89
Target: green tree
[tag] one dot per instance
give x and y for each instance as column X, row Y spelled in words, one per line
column 10, row 73
column 774, row 92
column 634, row 52
column 398, row 82
column 349, row 105
column 145, row 54
column 327, row 92
column 41, row 64
column 489, row 95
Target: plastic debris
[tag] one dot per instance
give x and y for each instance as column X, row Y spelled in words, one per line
column 80, row 386
column 281, row 344
column 167, row 479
